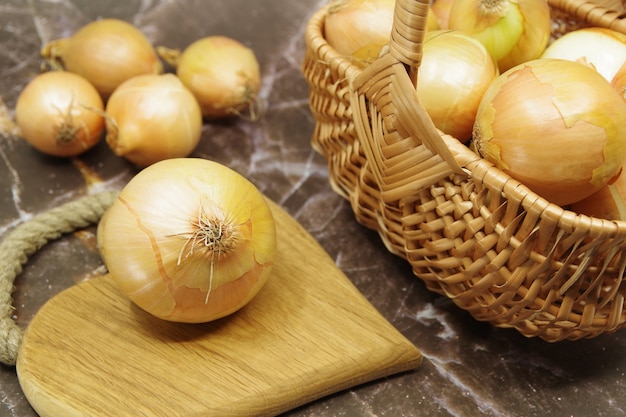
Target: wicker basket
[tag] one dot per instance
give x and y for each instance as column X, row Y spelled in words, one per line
column 468, row 230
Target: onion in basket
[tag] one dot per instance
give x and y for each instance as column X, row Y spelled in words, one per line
column 555, row 125
column 441, row 10
column 360, row 28
column 607, row 203
column 513, row 31
column 454, row 73
column 619, row 81
column 603, row 48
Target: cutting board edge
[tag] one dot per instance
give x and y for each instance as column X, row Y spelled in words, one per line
column 410, row 359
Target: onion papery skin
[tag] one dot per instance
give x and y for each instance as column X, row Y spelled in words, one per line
column 609, row 202
column 603, row 48
column 60, row 114
column 223, row 75
column 441, row 10
column 359, row 28
column 513, row 31
column 431, row 21
column 556, row 126
column 454, row 73
column 146, row 239
column 619, row 81
column 106, row 52
column 151, row 118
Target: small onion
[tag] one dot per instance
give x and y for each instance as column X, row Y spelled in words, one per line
column 106, row 52
column 555, row 125
column 60, row 114
column 603, row 48
column 222, row 74
column 151, row 118
column 607, row 203
column 513, row 31
column 454, row 73
column 188, row 240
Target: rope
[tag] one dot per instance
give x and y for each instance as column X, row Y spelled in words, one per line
column 28, row 238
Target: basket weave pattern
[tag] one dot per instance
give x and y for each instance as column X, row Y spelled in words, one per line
column 468, row 230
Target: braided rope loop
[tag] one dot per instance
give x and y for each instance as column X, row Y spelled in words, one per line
column 28, row 238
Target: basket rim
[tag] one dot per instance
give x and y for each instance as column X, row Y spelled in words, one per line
column 564, row 217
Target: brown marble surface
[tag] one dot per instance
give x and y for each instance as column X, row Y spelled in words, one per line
column 470, row 368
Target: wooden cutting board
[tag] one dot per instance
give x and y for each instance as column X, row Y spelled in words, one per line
column 308, row 333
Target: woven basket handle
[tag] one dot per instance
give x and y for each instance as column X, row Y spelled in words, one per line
column 605, row 13
column 407, row 34
column 385, row 82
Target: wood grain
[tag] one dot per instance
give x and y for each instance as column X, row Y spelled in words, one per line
column 308, row 333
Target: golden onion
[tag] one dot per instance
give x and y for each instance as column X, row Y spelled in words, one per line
column 359, row 28
column 60, row 114
column 440, row 9
column 188, row 240
column 106, row 52
column 619, row 81
column 603, row 48
column 222, row 73
column 609, row 202
column 557, row 126
column 454, row 73
column 153, row 117
column 513, row 31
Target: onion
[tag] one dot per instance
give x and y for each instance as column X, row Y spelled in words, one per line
column 555, row 125
column 603, row 48
column 359, row 28
column 106, row 52
column 441, row 10
column 153, row 117
column 60, row 114
column 454, row 73
column 513, row 31
column 188, row 240
column 432, row 23
column 222, row 74
column 619, row 81
column 607, row 203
